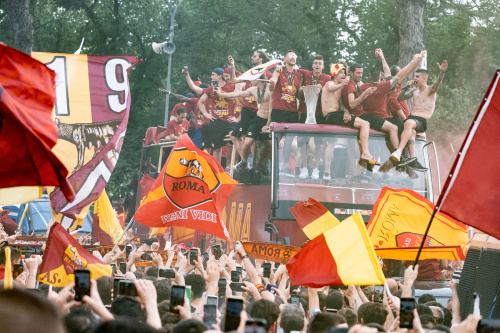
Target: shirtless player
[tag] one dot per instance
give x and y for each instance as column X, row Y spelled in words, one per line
column 258, row 125
column 330, row 105
column 424, row 103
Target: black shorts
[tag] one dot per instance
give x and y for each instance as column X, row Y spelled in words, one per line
column 400, row 123
column 205, row 137
column 303, row 117
column 255, row 127
column 218, row 131
column 421, row 123
column 337, row 118
column 280, row 116
column 320, row 119
column 376, row 123
column 246, row 118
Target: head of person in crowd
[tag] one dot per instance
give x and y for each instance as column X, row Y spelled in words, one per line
column 292, row 318
column 80, row 319
column 318, row 65
column 323, row 321
column 163, row 290
column 372, row 313
column 427, row 321
column 126, row 306
column 438, row 314
column 438, row 328
column 392, row 284
column 104, row 286
column 424, row 298
column 447, row 317
column 423, row 309
column 217, row 75
column 190, row 326
column 25, row 311
column 15, row 257
column 153, row 271
column 337, row 72
column 334, row 300
column 350, row 316
column 375, row 75
column 356, row 73
column 139, row 274
column 259, row 57
column 198, row 285
column 181, row 116
column 394, row 70
column 290, row 58
column 267, row 310
column 420, row 78
column 123, row 325
column 227, row 73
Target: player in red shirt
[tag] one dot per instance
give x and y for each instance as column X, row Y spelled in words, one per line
column 178, row 126
column 288, row 82
column 222, row 120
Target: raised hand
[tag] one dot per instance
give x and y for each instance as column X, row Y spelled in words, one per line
column 444, row 66
column 230, row 60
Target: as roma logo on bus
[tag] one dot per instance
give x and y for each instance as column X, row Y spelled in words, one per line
column 188, row 180
column 409, row 239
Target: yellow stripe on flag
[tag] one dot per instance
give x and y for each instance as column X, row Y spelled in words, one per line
column 320, row 225
column 7, row 282
column 108, row 221
column 20, row 194
column 353, row 252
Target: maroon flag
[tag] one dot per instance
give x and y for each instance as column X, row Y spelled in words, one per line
column 27, row 131
column 471, row 193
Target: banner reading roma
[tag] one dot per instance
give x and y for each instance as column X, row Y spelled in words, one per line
column 268, row 251
column 63, row 255
column 190, row 192
column 91, row 114
column 399, row 220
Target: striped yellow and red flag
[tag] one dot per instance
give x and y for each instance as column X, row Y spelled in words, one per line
column 342, row 255
column 313, row 217
column 398, row 223
column 63, row 255
column 106, row 227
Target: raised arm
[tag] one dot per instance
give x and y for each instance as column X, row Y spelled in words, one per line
column 197, row 90
column 385, row 66
column 406, row 93
column 230, row 59
column 443, row 67
column 236, row 94
column 332, row 87
column 354, row 102
column 176, row 96
column 405, row 71
column 275, row 78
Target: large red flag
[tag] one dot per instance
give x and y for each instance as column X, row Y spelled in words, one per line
column 471, row 193
column 190, row 192
column 27, row 131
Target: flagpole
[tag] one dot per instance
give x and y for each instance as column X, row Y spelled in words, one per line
column 124, row 231
column 425, row 236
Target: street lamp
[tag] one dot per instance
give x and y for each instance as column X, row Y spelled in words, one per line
column 169, row 48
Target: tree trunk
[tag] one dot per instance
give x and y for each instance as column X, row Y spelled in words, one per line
column 19, row 15
column 411, row 31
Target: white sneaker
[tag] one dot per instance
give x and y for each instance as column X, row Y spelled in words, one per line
column 304, row 173
column 315, row 174
column 326, row 176
column 396, row 156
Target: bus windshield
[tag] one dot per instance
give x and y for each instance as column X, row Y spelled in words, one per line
column 324, row 166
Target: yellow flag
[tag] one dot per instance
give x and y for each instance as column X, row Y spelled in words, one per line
column 107, row 228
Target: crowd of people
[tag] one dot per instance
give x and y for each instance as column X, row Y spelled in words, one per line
column 244, row 110
column 269, row 302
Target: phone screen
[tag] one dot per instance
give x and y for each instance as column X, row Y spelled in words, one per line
column 488, row 326
column 267, row 269
column 378, row 295
column 239, row 269
column 215, row 84
column 222, row 287
column 406, row 312
column 193, row 255
column 16, row 270
column 128, row 249
column 82, row 284
column 235, row 276
column 116, row 284
column 210, row 315
column 234, row 307
column 167, row 273
column 113, row 268
column 295, row 299
column 177, row 298
column 127, row 288
column 123, row 267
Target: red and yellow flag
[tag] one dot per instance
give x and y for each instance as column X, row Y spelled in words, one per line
column 106, row 227
column 63, row 255
column 190, row 192
column 342, row 255
column 313, row 217
column 399, row 220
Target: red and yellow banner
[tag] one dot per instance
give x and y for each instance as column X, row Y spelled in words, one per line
column 106, row 227
column 63, row 255
column 91, row 114
column 399, row 220
column 313, row 217
column 190, row 192
column 342, row 255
